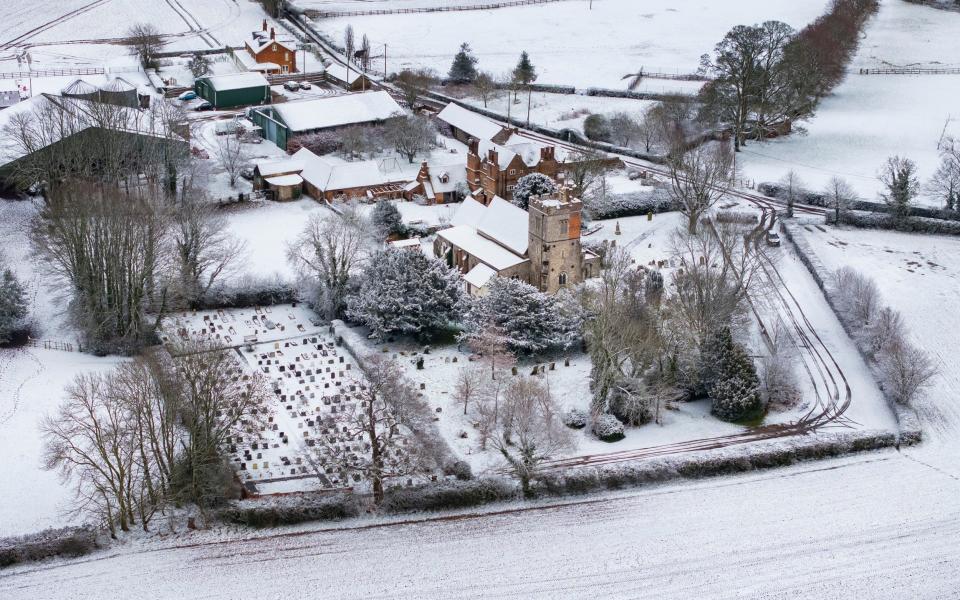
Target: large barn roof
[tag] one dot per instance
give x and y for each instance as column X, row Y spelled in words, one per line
column 337, row 111
column 472, row 123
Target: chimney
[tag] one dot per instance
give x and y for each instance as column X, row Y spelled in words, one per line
column 273, row 34
column 264, row 25
column 473, row 146
column 424, row 174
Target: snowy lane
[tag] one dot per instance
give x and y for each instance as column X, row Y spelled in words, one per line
column 876, row 526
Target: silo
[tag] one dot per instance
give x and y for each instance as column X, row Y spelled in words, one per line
column 119, row 91
column 82, row 90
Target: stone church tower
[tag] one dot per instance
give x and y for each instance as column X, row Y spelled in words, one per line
column 556, row 258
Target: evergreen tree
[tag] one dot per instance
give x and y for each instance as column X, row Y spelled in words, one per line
column 404, row 291
column 524, row 73
column 387, row 219
column 463, row 69
column 530, row 321
column 733, row 385
column 533, row 184
column 13, row 305
column 899, row 176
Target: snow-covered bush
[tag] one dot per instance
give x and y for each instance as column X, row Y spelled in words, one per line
column 533, row 184
column 13, row 305
column 69, row 541
column 289, row 510
column 576, row 418
column 911, row 224
column 733, row 386
column 530, row 320
column 597, row 128
column 459, row 469
column 406, row 292
column 387, row 219
column 447, row 495
column 249, row 291
column 630, row 402
column 608, row 428
column 615, row 206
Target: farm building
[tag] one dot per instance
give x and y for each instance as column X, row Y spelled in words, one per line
column 351, row 78
column 117, row 91
column 283, row 122
column 239, row 89
column 325, row 179
column 466, row 124
column 440, row 184
column 264, row 53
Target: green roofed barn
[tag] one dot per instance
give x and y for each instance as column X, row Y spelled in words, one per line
column 240, row 89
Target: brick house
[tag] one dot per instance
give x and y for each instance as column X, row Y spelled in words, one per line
column 267, row 54
column 493, row 169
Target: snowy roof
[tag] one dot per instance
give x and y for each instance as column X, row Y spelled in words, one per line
column 79, row 88
column 118, row 84
column 453, row 174
column 283, row 180
column 474, row 124
column 326, row 175
column 339, row 72
column 269, row 168
column 484, row 250
column 251, row 63
column 408, row 243
column 336, row 111
column 479, row 275
column 237, row 81
column 506, row 223
column 470, row 213
column 260, row 41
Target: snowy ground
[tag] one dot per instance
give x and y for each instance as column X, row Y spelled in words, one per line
column 564, row 111
column 917, row 275
column 871, row 117
column 584, row 47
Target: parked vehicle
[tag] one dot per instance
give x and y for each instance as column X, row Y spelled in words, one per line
column 293, row 86
column 773, row 238
column 190, row 95
column 203, row 106
column 305, row 85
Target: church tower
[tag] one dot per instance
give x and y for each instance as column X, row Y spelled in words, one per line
column 556, row 258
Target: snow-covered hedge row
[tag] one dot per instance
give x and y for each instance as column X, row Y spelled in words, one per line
column 609, row 93
column 69, row 541
column 288, row 510
column 776, row 190
column 724, row 461
column 617, row 206
column 912, row 224
column 448, row 494
column 908, row 422
column 249, row 292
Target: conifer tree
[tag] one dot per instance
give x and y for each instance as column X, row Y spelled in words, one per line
column 463, row 69
column 13, row 305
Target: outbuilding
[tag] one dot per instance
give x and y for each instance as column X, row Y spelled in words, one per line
column 239, row 89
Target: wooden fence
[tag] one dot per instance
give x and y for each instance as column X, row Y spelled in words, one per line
column 50, row 345
column 911, row 71
column 51, row 73
column 316, row 14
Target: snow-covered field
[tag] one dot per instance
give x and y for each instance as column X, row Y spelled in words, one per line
column 563, row 111
column 871, row 117
column 567, row 41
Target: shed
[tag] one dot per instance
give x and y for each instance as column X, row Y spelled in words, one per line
column 285, row 187
column 239, row 89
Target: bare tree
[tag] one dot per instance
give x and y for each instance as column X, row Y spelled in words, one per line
column 625, row 128
column 885, row 331
column 531, row 429
column 584, row 169
column 413, row 82
column 107, row 246
column 491, row 342
column 485, row 86
column 945, row 182
column 777, row 378
column 349, row 44
column 906, row 371
column 217, row 401
column 698, row 179
column 859, row 295
column 410, row 135
column 327, row 251
column 650, row 131
column 839, row 196
column 90, row 442
column 145, row 42
column 376, row 434
column 468, row 387
column 232, row 155
column 793, row 189
column 204, row 248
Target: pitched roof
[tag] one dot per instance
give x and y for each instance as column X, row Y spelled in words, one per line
column 337, row 111
column 507, row 224
column 260, row 41
column 237, row 81
column 479, row 275
column 474, row 124
column 470, row 212
column 326, row 175
column 339, row 72
column 484, row 250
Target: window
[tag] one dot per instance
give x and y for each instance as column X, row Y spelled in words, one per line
column 513, row 171
column 563, row 223
column 563, row 279
column 274, row 47
column 509, row 188
column 286, row 56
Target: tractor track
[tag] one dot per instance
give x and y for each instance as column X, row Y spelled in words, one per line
column 193, row 24
column 9, row 44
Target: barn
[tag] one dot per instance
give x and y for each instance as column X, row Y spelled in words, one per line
column 239, row 89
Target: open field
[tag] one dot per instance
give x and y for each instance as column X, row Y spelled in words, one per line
column 568, row 42
column 871, row 117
